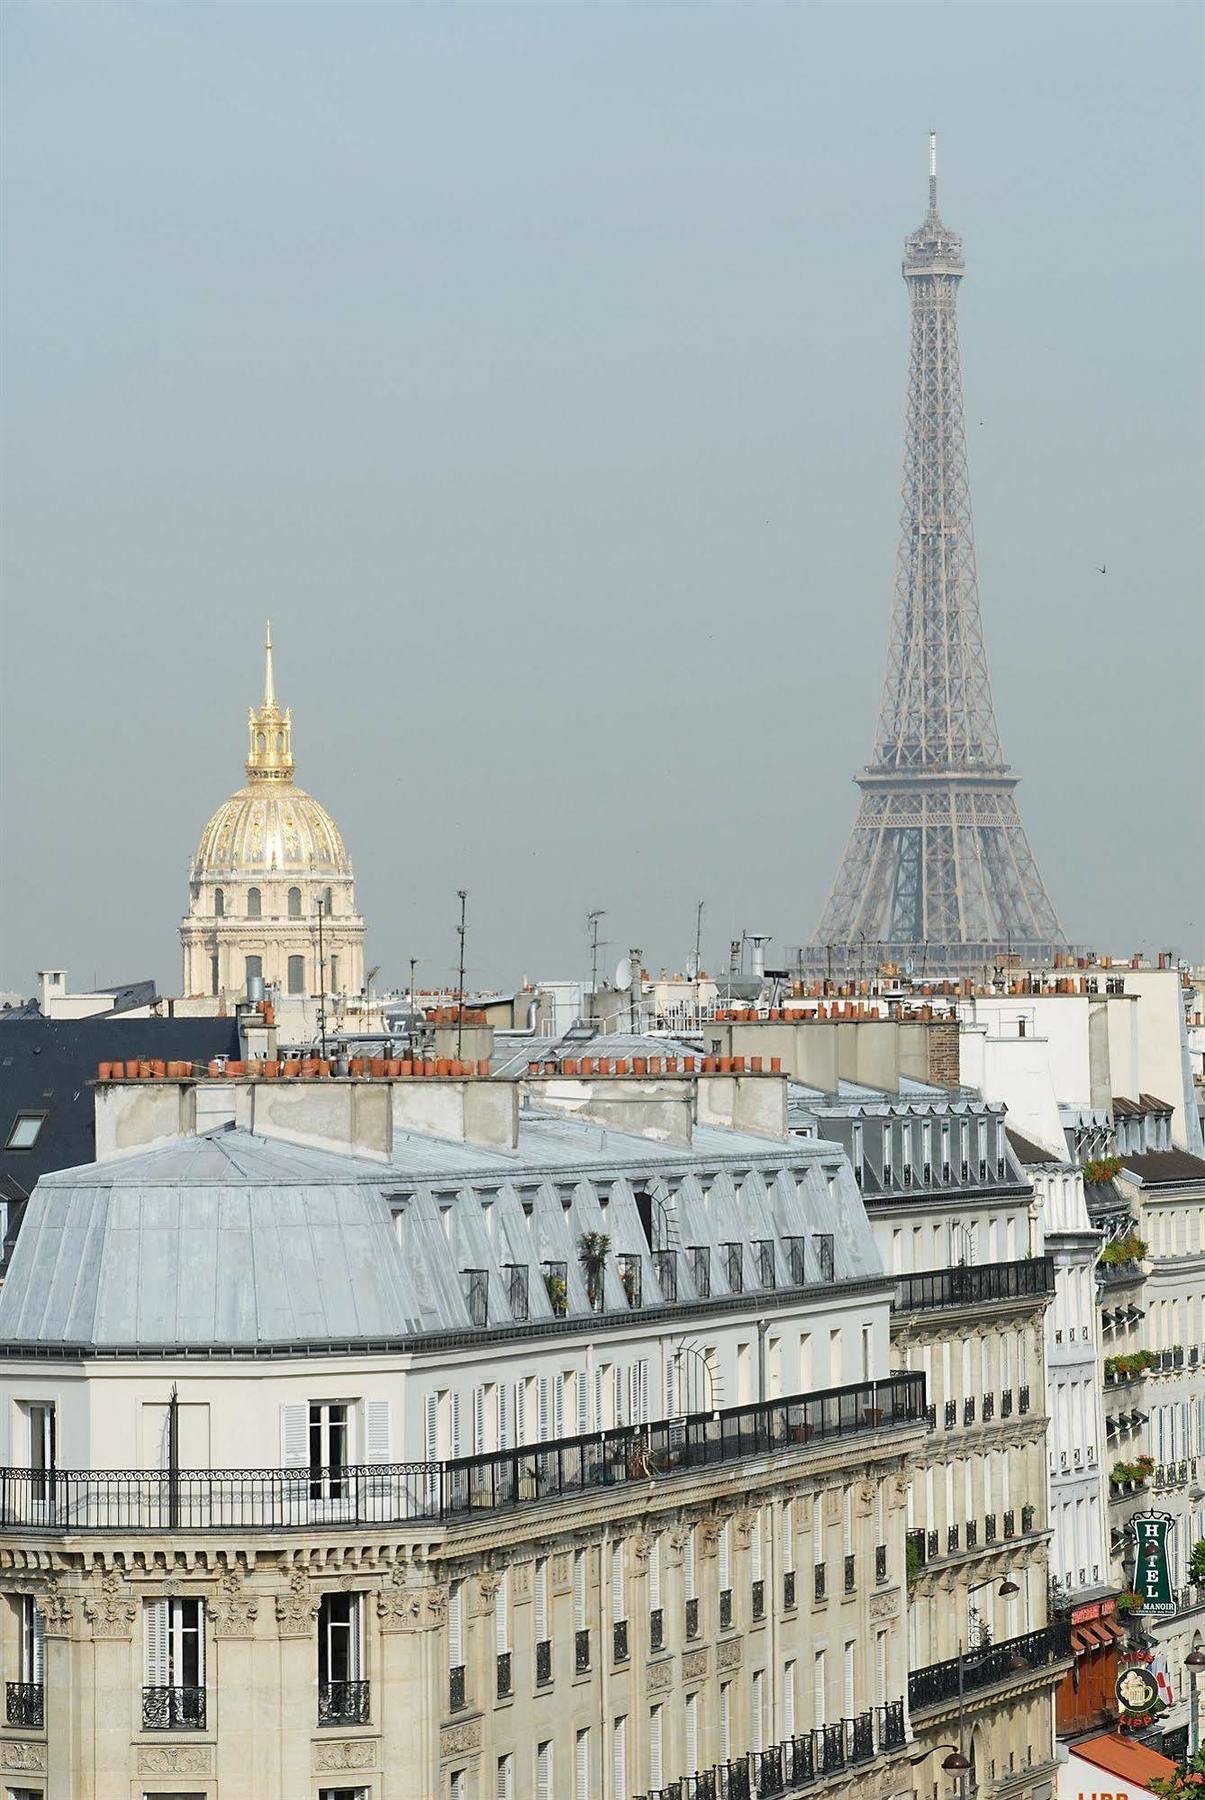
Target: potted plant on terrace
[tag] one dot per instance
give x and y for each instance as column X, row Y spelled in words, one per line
column 593, row 1249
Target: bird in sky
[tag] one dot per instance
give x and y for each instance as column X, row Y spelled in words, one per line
column 1101, row 569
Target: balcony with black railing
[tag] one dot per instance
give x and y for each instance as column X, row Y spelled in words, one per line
column 880, row 1562
column 619, row 1641
column 346, row 1702
column 692, row 1618
column 102, row 1500
column 725, row 1609
column 788, row 1589
column 851, row 1576
column 795, row 1764
column 173, row 1709
column 758, row 1601
column 992, row 1666
column 456, row 1688
column 543, row 1662
column 581, row 1650
column 656, row 1629
column 504, row 1675
column 25, row 1705
column 979, row 1285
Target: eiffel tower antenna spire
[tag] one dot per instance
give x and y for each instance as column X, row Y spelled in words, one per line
column 938, row 856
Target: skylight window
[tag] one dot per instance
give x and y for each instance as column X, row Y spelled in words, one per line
column 26, row 1130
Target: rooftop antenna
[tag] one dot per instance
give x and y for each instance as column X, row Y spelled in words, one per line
column 321, row 984
column 592, row 919
column 698, row 942
column 462, row 896
column 269, row 682
column 933, row 171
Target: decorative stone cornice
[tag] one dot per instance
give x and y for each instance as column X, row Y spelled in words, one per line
column 18, row 1753
column 694, row 1665
column 296, row 1610
column 232, row 1610
column 58, row 1611
column 345, row 1753
column 728, row 1653
column 175, row 1759
column 112, row 1615
column 460, row 1740
column 659, row 1675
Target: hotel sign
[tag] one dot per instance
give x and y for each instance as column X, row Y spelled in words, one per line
column 1152, row 1571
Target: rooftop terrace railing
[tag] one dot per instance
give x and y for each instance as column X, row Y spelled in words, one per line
column 73, row 1500
column 978, row 1285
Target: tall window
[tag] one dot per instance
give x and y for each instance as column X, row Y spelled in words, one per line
column 255, row 968
column 254, row 903
column 219, row 903
column 334, row 968
column 33, row 1650
column 173, row 1694
column 581, row 1765
column 213, row 974
column 342, row 1696
column 328, row 1449
column 294, row 903
column 296, row 978
column 42, row 1449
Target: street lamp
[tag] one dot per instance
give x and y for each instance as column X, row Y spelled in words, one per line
column 953, row 1764
column 1192, row 1662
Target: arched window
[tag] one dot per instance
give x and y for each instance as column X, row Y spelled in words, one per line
column 255, row 966
column 297, row 974
column 259, row 742
column 253, row 903
column 328, row 905
column 213, row 974
column 295, row 907
column 219, row 903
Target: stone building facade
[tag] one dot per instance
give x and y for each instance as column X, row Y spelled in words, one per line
column 392, row 1491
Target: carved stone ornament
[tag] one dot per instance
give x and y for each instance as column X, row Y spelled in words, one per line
column 899, row 1490
column 58, row 1610
column 884, row 1606
column 694, row 1665
column 678, row 1541
column 175, row 1759
column 296, row 1610
column 231, row 1609
column 520, row 1580
column 658, row 1676
column 487, row 1590
column 744, row 1523
column 709, row 1535
column 14, row 1755
column 460, row 1740
column 112, row 1614
column 864, row 1499
column 834, row 1503
column 641, row 1546
column 345, row 1753
column 728, row 1654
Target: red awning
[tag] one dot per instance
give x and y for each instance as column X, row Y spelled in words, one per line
column 1120, row 1756
column 1087, row 1638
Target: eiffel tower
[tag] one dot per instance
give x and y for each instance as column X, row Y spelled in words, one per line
column 938, row 873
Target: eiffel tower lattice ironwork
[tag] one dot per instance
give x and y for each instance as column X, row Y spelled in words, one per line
column 938, row 867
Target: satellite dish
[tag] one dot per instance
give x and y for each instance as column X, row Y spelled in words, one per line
column 623, row 975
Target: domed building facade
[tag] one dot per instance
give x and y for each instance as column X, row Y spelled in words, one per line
column 271, row 892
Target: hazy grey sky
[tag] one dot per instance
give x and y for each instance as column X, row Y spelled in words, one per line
column 540, row 371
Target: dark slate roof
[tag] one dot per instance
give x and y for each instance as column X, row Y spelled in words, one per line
column 1164, row 1168
column 1145, row 1103
column 47, row 1066
column 1026, row 1151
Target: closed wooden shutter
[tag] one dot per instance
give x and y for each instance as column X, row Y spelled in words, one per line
column 456, row 1425
column 541, row 1599
column 544, row 1772
column 581, row 1769
column 617, row 1598
column 583, row 1403
column 724, row 1556
column 294, row 1435
column 655, row 1575
column 692, row 1734
column 598, row 1400
column 478, row 1420
column 154, row 1626
column 655, row 1716
column 506, row 1785
column 788, row 1700
column 755, row 1547
column 503, row 1416
column 376, row 1431
column 688, row 1564
column 520, row 1414
column 502, row 1614
column 619, row 1757
column 788, row 1536
column 544, row 1413
column 431, row 1428
column 37, row 1643
column 725, row 1720
column 455, row 1626
column 579, row 1590
column 756, row 1708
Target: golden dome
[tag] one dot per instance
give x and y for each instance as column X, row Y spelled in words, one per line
column 271, row 825
column 265, row 829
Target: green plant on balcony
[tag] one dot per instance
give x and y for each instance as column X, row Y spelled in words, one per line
column 558, row 1293
column 1123, row 1472
column 1196, row 1562
column 1188, row 1782
column 911, row 1561
column 593, row 1249
column 1099, row 1169
column 1145, row 1466
column 1127, row 1249
column 1129, row 1603
column 1129, row 1364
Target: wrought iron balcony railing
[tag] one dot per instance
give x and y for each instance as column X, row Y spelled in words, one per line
column 619, row 1641
column 505, row 1675
column 692, row 1618
column 982, row 1284
column 581, row 1650
column 794, row 1764
column 880, row 1562
column 24, row 1705
column 851, row 1573
column 656, row 1629
column 819, row 1581
column 759, row 1601
column 346, row 1702
column 788, row 1589
column 173, row 1709
column 989, row 1667
column 456, row 1690
column 725, row 1608
column 543, row 1662
column 68, row 1500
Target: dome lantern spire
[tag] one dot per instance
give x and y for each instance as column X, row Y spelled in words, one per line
column 270, row 756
